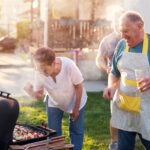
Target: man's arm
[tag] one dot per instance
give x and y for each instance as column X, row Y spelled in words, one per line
column 35, row 94
column 101, row 63
column 113, row 81
column 75, row 113
column 112, row 84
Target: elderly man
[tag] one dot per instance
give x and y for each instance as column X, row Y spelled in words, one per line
column 131, row 104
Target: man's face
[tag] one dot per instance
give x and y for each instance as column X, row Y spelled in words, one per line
column 130, row 32
column 44, row 68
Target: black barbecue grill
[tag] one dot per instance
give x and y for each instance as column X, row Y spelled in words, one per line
column 34, row 143
column 45, row 132
column 9, row 110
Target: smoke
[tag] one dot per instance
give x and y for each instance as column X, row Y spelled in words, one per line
column 141, row 6
column 63, row 8
column 24, row 100
column 68, row 8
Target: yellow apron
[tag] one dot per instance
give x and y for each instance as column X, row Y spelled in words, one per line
column 130, row 110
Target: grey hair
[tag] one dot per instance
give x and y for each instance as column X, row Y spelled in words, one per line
column 44, row 55
column 133, row 16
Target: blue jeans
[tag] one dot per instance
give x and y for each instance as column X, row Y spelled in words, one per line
column 126, row 140
column 76, row 128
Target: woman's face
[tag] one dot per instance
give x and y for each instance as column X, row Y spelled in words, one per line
column 44, row 68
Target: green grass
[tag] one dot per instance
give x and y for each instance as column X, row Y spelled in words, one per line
column 97, row 116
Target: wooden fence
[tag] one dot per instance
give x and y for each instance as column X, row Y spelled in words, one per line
column 72, row 34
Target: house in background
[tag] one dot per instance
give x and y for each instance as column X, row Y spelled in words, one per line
column 77, row 23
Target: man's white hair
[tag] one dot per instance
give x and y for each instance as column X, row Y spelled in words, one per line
column 133, row 16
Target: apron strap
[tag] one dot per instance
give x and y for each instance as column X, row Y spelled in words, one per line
column 145, row 45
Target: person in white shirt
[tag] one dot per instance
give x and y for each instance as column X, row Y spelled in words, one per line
column 62, row 80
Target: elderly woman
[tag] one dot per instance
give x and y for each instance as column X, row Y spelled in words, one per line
column 62, row 80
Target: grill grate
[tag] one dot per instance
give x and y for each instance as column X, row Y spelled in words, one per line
column 39, row 130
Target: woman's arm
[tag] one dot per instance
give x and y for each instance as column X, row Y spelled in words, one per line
column 101, row 64
column 75, row 113
column 35, row 94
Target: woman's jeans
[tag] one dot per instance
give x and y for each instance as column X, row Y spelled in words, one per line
column 126, row 140
column 76, row 128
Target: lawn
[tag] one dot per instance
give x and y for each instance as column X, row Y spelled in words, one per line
column 97, row 116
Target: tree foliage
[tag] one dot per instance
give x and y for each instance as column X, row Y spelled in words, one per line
column 23, row 29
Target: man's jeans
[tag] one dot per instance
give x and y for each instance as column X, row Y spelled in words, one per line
column 76, row 128
column 126, row 140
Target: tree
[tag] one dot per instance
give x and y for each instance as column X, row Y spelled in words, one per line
column 23, row 29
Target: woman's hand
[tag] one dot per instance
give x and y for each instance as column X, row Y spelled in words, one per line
column 28, row 87
column 30, row 91
column 75, row 115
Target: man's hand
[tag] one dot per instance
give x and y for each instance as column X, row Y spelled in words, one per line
column 108, row 93
column 108, row 69
column 144, row 84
